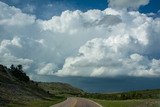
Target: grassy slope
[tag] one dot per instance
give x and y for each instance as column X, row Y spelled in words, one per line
column 38, row 103
column 15, row 93
column 62, row 89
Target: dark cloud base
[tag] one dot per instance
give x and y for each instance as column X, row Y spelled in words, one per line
column 118, row 84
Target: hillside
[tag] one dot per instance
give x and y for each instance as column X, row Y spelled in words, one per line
column 17, row 89
column 58, row 88
column 13, row 90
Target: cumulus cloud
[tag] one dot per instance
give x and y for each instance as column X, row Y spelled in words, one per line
column 46, row 69
column 93, row 43
column 13, row 16
column 127, row 4
column 127, row 51
column 7, row 58
column 14, row 42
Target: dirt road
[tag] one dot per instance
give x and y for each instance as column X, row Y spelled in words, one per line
column 77, row 102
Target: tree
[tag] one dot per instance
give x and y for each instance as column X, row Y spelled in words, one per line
column 12, row 67
column 19, row 74
column 20, row 67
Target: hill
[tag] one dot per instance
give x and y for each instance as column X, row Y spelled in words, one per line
column 13, row 90
column 62, row 89
column 16, row 89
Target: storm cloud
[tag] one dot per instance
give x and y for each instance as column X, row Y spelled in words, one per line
column 95, row 43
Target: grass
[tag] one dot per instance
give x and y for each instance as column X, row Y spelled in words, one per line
column 37, row 103
column 129, row 103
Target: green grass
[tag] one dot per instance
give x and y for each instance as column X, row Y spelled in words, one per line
column 37, row 103
column 129, row 103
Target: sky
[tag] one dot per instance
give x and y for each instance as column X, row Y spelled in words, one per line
column 46, row 9
column 87, row 43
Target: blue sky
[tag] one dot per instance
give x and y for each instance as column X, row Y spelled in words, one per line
column 45, row 9
column 115, row 48
column 153, row 6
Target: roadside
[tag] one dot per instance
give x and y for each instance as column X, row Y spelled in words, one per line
column 129, row 103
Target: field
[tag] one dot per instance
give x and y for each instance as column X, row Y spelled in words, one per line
column 129, row 103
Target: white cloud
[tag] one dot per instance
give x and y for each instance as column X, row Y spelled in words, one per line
column 124, row 52
column 127, row 4
column 46, row 69
column 77, row 21
column 93, row 43
column 13, row 16
column 7, row 58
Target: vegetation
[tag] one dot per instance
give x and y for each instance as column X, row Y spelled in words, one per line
column 129, row 103
column 61, row 89
column 38, row 103
column 144, row 94
column 18, row 73
column 17, row 90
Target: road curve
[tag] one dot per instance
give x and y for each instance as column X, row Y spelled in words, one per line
column 77, row 102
